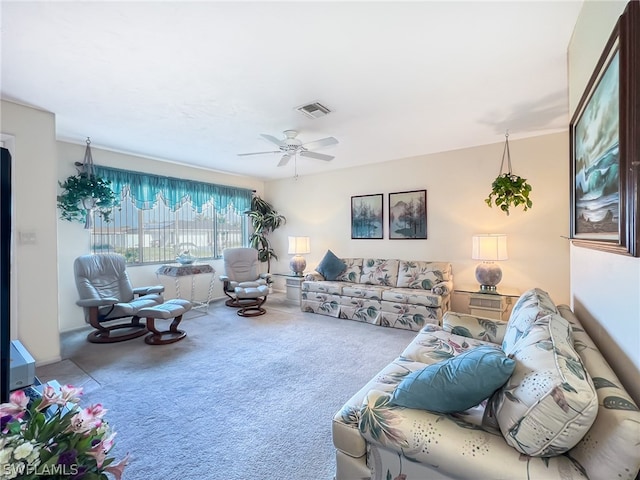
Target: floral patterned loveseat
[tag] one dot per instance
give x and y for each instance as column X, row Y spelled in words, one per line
column 561, row 415
column 388, row 292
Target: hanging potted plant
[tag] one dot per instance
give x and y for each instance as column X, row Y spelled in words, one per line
column 264, row 220
column 509, row 190
column 85, row 193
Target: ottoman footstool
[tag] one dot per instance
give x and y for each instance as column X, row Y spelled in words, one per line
column 250, row 300
column 170, row 309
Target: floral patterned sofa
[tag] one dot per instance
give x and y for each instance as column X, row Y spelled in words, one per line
column 388, row 292
column 563, row 413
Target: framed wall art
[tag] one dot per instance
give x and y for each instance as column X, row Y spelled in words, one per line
column 604, row 145
column 366, row 216
column 408, row 215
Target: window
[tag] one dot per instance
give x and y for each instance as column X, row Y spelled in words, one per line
column 154, row 231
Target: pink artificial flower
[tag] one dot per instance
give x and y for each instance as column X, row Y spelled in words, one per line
column 49, row 397
column 100, row 450
column 17, row 405
column 116, row 470
column 87, row 419
column 71, row 393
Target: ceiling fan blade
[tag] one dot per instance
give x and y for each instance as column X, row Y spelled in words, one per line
column 257, row 153
column 319, row 156
column 272, row 139
column 323, row 142
column 284, row 160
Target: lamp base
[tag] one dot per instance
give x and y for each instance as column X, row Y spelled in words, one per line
column 488, row 275
column 297, row 265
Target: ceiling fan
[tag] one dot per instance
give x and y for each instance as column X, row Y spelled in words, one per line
column 290, row 146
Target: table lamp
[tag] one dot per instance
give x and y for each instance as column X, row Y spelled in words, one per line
column 297, row 247
column 489, row 247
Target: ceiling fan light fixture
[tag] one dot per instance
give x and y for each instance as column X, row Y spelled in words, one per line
column 313, row 110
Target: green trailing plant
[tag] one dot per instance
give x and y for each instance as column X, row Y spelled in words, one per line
column 509, row 190
column 264, row 220
column 81, row 193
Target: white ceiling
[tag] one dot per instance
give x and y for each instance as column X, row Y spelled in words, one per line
column 197, row 82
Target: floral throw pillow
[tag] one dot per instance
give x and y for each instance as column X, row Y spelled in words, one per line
column 550, row 401
column 377, row 271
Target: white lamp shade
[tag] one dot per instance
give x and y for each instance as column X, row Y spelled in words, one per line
column 299, row 245
column 489, row 247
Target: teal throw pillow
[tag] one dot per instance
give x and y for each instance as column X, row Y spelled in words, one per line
column 330, row 266
column 455, row 384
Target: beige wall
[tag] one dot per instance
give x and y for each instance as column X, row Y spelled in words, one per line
column 457, row 182
column 605, row 288
column 34, row 312
column 74, row 239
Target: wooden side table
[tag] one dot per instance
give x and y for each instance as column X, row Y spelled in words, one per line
column 496, row 305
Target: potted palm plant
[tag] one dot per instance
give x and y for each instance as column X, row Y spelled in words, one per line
column 264, row 220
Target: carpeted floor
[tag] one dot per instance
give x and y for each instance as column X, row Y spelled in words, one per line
column 237, row 399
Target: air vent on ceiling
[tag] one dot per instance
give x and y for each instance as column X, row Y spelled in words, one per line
column 314, row 110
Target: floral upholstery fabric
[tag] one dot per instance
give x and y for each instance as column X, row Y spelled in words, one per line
column 532, row 305
column 424, row 275
column 433, row 345
column 375, row 280
column 470, row 326
column 413, row 297
column 331, row 288
column 391, row 442
column 363, row 291
column 353, row 272
column 448, row 444
column 377, row 271
column 611, row 447
column 322, row 303
column 550, row 402
column 361, row 310
column 407, row 316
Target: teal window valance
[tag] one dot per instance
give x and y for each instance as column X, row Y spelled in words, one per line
column 147, row 189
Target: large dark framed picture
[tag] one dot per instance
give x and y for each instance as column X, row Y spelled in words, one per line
column 605, row 143
column 366, row 216
column 408, row 215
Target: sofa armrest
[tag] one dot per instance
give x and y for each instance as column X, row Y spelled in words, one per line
column 314, row 277
column 480, row 328
column 456, row 448
column 443, row 288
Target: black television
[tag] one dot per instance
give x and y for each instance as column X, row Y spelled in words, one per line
column 5, row 273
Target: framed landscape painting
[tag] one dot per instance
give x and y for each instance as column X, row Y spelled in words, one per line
column 604, row 146
column 366, row 216
column 408, row 215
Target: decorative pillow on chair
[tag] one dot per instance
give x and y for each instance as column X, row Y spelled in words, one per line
column 330, row 266
column 455, row 384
